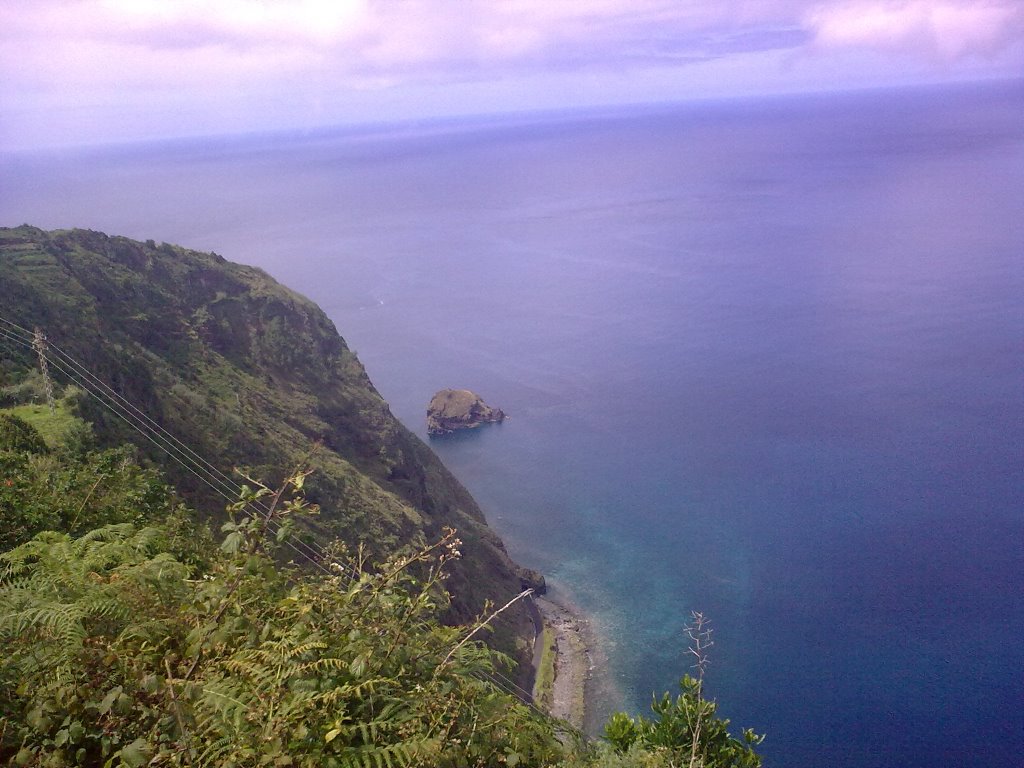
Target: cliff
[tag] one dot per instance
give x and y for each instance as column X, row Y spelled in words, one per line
column 248, row 374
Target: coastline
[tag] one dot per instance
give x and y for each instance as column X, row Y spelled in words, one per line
column 563, row 660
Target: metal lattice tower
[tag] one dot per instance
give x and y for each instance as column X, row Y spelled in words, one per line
column 39, row 345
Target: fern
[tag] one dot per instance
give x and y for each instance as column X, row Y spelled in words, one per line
column 398, row 755
column 120, row 651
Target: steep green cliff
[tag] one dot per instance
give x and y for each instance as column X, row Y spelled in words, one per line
column 250, row 375
column 136, row 634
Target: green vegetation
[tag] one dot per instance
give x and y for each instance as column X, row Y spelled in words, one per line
column 134, row 635
column 684, row 730
column 145, row 643
column 51, row 426
column 544, row 682
column 137, row 645
column 66, row 486
column 19, row 435
column 249, row 375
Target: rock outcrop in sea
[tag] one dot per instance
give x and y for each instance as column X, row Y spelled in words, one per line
column 452, row 409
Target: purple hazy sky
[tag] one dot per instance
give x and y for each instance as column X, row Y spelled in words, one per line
column 96, row 71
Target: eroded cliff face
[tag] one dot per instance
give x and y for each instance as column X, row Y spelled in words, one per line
column 454, row 409
column 250, row 375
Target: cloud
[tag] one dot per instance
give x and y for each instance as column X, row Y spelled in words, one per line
column 439, row 37
column 944, row 29
column 361, row 42
column 219, row 63
column 432, row 36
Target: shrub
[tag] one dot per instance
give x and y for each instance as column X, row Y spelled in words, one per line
column 118, row 653
column 18, row 436
column 686, row 728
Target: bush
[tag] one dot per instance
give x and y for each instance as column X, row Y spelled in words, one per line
column 74, row 494
column 118, row 653
column 18, row 436
column 686, row 730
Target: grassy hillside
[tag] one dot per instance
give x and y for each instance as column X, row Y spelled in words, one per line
column 250, row 375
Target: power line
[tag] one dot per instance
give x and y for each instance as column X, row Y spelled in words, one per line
column 208, row 474
column 155, row 433
column 202, row 469
column 166, row 442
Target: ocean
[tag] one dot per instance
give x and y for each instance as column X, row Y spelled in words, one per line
column 763, row 359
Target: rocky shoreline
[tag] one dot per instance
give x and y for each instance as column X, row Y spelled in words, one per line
column 567, row 633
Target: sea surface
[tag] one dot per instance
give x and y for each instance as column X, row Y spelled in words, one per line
column 764, row 359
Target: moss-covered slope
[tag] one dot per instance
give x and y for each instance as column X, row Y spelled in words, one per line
column 251, row 375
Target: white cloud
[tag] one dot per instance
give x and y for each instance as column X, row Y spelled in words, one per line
column 272, row 61
column 943, row 28
column 237, row 22
column 392, row 40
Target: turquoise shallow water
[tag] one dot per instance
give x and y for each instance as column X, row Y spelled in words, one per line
column 762, row 359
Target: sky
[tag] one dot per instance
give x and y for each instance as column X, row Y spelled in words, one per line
column 78, row 72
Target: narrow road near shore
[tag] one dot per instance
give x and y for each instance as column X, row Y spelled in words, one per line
column 571, row 661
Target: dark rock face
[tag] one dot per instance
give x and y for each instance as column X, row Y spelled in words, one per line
column 452, row 409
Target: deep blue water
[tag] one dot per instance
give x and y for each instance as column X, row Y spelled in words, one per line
column 763, row 359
